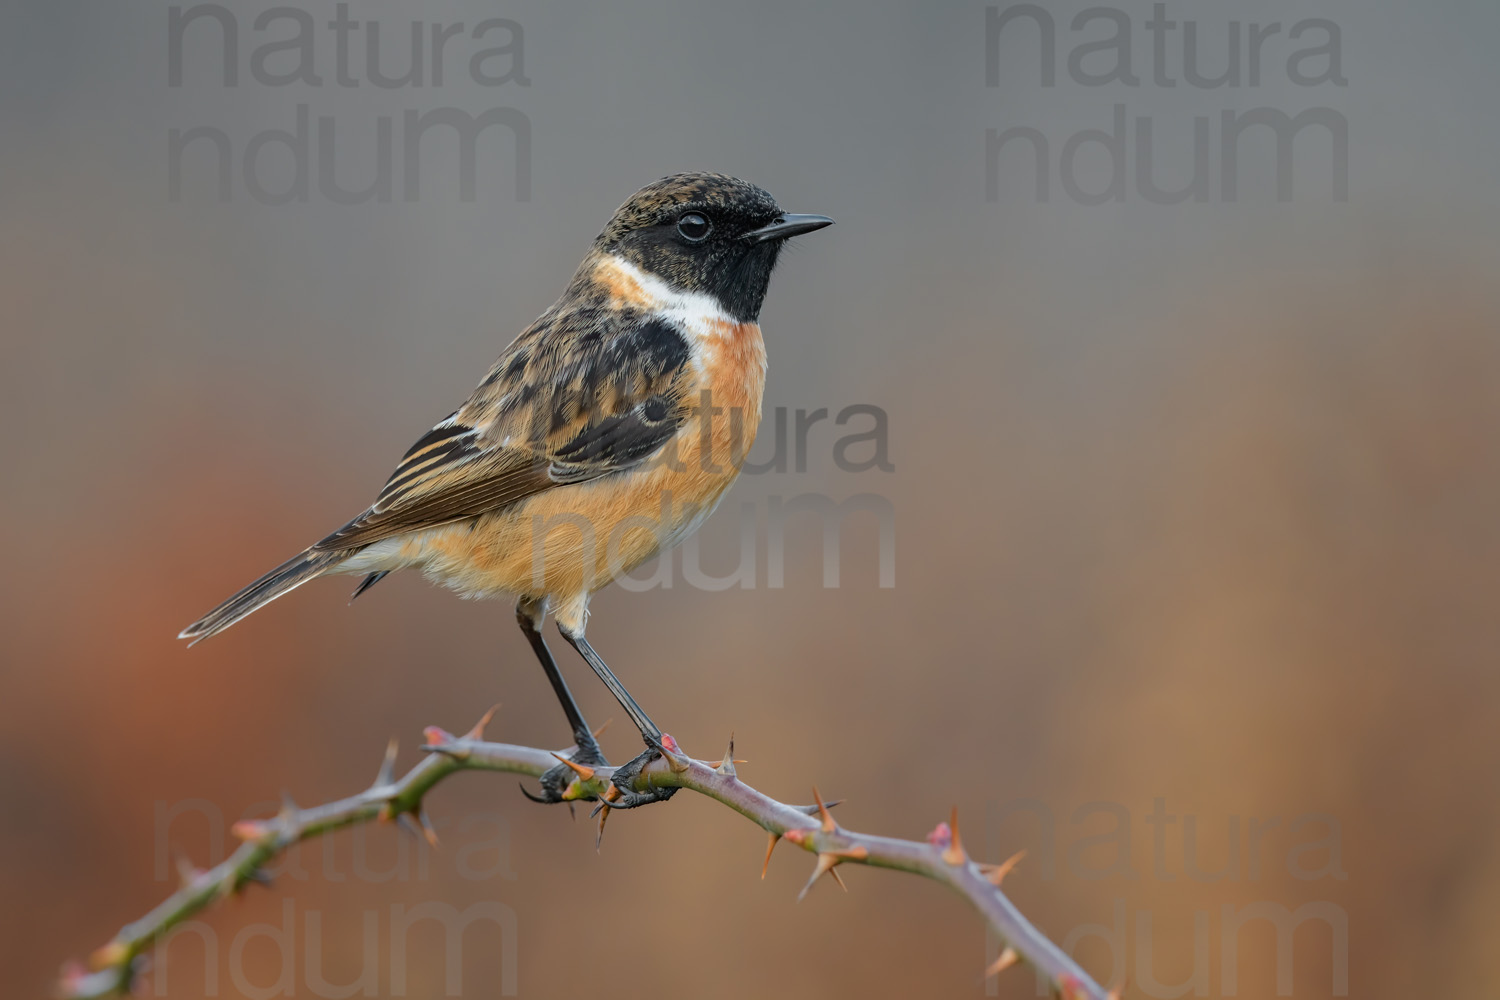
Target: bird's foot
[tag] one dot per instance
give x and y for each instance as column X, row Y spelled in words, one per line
column 572, row 779
column 632, row 788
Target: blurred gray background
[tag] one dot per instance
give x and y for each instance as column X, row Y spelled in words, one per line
column 1194, row 502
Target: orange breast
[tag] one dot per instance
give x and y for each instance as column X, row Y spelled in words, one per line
column 566, row 543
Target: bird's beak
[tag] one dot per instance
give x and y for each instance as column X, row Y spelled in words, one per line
column 787, row 226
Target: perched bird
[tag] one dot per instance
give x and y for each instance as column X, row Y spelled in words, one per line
column 606, row 432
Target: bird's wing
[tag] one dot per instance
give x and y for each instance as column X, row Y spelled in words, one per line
column 576, row 397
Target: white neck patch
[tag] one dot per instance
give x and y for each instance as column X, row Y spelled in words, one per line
column 693, row 312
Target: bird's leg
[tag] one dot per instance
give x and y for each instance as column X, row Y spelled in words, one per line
column 557, row 780
column 626, row 774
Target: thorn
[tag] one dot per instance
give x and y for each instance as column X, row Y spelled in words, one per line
column 997, row 873
column 673, row 753
column 726, row 766
column 600, row 731
column 954, row 854
column 828, row 824
column 289, row 815
column 223, row 888
column 428, row 830
column 187, row 872
column 815, row 810
column 249, row 829
column 611, row 794
column 770, row 846
column 825, row 864
column 584, row 773
column 387, row 772
column 70, row 981
column 1007, row 958
column 227, row 888
column 113, row 954
column 477, row 733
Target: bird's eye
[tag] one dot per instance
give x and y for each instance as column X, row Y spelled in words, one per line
column 693, row 227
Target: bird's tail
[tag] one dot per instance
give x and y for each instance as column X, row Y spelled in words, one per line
column 288, row 576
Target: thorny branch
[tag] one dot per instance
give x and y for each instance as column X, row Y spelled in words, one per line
column 941, row 857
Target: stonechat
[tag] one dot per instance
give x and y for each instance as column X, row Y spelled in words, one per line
column 606, row 432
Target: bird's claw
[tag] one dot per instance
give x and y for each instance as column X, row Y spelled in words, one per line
column 626, row 775
column 571, row 780
column 630, row 800
column 564, row 777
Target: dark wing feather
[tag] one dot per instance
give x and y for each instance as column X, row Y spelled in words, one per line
column 617, row 442
column 582, row 394
column 368, row 582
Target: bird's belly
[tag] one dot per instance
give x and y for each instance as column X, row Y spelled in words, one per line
column 567, row 542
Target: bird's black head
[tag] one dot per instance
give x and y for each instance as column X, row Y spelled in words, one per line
column 706, row 233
